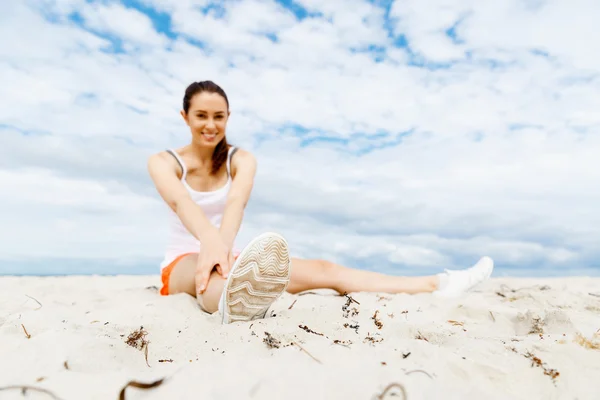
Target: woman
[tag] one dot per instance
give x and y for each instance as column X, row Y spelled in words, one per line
column 207, row 185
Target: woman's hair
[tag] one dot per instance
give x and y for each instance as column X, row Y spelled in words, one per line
column 220, row 154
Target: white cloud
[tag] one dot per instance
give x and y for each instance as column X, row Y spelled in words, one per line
column 126, row 23
column 501, row 158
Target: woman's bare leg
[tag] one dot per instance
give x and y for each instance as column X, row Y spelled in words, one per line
column 319, row 274
column 306, row 275
column 183, row 280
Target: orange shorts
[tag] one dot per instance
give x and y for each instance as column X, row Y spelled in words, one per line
column 166, row 272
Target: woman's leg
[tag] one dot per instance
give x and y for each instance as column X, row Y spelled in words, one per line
column 317, row 274
column 320, row 274
column 183, row 280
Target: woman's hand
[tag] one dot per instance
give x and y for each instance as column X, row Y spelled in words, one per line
column 231, row 259
column 213, row 253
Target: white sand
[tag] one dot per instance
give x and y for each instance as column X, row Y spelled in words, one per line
column 85, row 321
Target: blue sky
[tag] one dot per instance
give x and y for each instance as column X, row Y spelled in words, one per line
column 396, row 136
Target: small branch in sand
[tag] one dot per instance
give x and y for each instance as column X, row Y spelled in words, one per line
column 372, row 339
column 32, row 298
column 271, row 342
column 418, row 370
column 146, row 354
column 492, row 315
column 137, row 339
column 594, row 294
column 304, row 350
column 140, row 385
column 345, row 343
column 26, row 333
column 24, row 390
column 421, row 337
column 536, row 362
column 354, row 326
column 390, row 387
column 290, row 307
column 377, row 321
column 307, row 329
column 351, row 299
column 346, row 311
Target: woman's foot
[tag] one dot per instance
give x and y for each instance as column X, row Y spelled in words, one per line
column 453, row 283
column 258, row 277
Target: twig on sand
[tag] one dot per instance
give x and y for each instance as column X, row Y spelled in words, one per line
column 271, row 342
column 346, row 312
column 146, row 354
column 377, row 321
column 307, row 329
column 594, row 294
column 290, row 307
column 137, row 339
column 140, row 385
column 418, row 370
column 421, row 337
column 345, row 343
column 25, row 388
column 492, row 315
column 26, row 333
column 35, row 301
column 351, row 298
column 306, row 351
column 536, row 362
column 390, row 387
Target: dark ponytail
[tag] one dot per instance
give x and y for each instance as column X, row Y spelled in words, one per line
column 219, row 156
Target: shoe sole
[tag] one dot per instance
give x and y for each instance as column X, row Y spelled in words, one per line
column 259, row 276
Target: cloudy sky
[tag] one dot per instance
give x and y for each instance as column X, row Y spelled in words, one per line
column 398, row 136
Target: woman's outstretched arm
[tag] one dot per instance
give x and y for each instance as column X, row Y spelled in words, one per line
column 243, row 170
column 163, row 171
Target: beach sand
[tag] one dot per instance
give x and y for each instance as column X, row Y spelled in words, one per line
column 510, row 339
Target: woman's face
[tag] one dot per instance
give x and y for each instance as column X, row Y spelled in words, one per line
column 207, row 118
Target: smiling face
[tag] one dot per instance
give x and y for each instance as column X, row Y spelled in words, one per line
column 207, row 118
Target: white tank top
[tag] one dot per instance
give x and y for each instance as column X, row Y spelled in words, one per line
column 179, row 240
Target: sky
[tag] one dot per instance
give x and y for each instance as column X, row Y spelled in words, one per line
column 403, row 137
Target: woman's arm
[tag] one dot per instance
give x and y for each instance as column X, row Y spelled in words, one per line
column 243, row 170
column 163, row 171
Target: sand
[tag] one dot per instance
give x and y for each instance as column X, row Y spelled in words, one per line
column 510, row 339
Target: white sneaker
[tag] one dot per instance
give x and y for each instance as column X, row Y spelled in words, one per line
column 258, row 277
column 462, row 281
